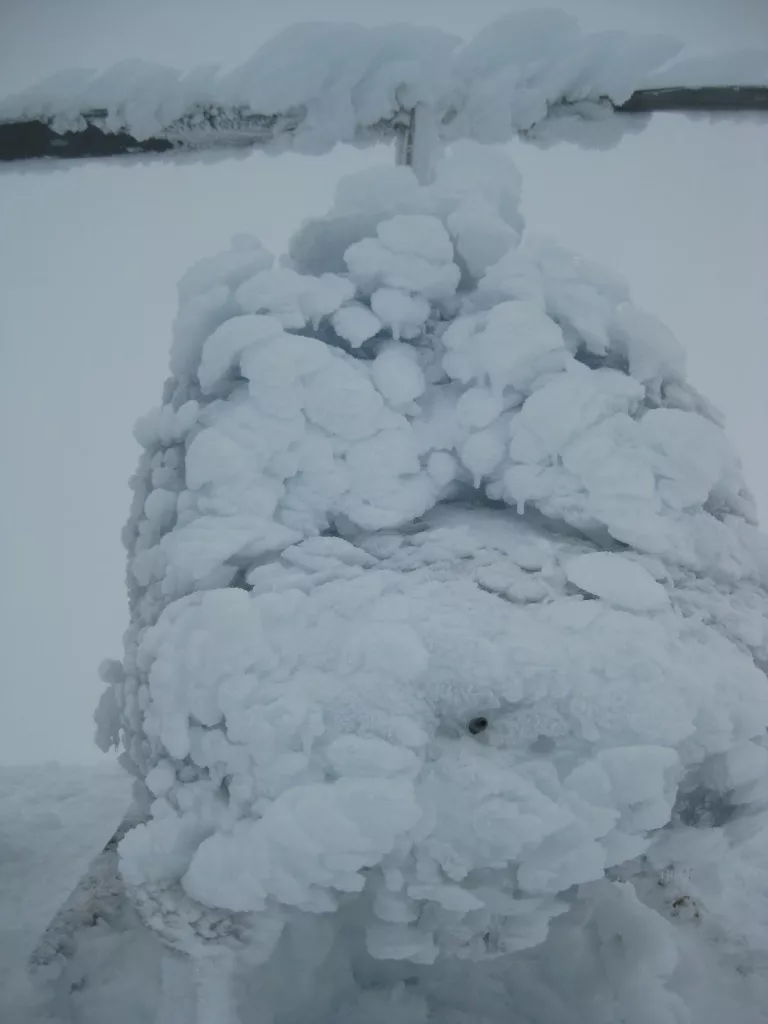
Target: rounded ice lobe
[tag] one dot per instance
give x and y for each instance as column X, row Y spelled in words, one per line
column 356, row 323
column 397, row 375
column 343, row 402
column 482, row 452
column 312, row 839
column 372, row 265
column 509, row 347
column 369, row 756
column 478, row 407
column 291, row 298
column 481, row 236
column 618, row 581
column 227, row 343
column 404, row 314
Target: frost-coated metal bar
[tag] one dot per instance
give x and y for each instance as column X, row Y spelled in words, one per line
column 214, row 976
column 235, row 129
column 418, row 144
column 710, row 99
column 404, row 142
column 177, row 1003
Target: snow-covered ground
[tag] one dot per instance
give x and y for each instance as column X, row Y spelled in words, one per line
column 53, row 820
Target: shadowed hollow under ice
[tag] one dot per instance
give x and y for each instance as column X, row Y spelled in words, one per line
column 444, row 685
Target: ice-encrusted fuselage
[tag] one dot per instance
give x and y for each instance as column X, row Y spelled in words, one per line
column 446, row 609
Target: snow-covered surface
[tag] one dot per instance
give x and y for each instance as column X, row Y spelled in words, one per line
column 118, row 973
column 53, row 820
column 316, row 85
column 349, row 546
column 750, row 67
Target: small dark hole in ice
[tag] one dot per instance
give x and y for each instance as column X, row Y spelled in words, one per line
column 477, row 725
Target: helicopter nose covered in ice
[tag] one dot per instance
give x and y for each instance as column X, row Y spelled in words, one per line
column 445, row 593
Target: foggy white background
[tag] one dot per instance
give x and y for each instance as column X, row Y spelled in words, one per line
column 90, row 254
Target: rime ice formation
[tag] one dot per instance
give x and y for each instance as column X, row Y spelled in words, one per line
column 532, row 73
column 429, row 470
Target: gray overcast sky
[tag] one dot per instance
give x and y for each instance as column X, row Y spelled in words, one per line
column 89, row 258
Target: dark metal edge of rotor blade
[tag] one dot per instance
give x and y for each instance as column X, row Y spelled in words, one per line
column 707, row 99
